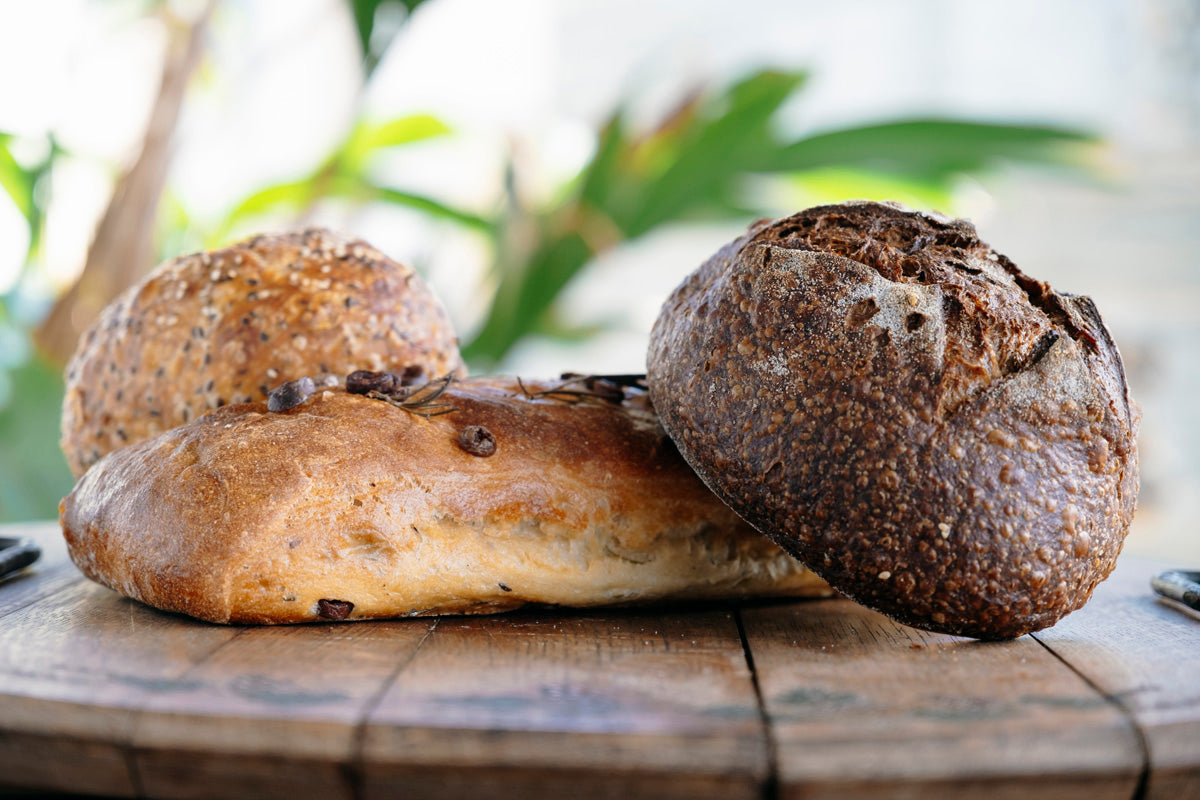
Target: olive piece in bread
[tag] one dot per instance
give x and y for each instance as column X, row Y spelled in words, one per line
column 227, row 326
column 938, row 435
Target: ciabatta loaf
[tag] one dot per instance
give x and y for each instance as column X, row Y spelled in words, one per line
column 488, row 496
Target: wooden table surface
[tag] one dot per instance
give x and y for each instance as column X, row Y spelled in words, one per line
column 812, row 699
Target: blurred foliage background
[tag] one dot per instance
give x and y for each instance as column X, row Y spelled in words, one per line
column 720, row 154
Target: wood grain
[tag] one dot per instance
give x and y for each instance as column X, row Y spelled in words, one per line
column 1145, row 655
column 51, row 573
column 591, row 705
column 77, row 666
column 102, row 695
column 862, row 707
column 273, row 714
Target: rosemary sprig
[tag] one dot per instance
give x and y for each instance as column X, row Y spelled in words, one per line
column 609, row 388
column 423, row 400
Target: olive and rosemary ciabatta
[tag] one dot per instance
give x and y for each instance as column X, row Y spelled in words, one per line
column 383, row 500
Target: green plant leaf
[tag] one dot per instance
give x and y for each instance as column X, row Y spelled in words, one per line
column 402, row 130
column 520, row 302
column 16, row 181
column 706, row 160
column 728, row 137
column 691, row 165
column 836, row 185
column 296, row 195
column 33, row 472
column 364, row 22
column 344, row 175
column 601, row 174
column 554, row 326
column 928, row 150
column 293, row 195
column 433, row 208
column 366, row 137
column 366, row 15
column 21, row 183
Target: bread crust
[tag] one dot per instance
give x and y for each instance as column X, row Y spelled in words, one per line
column 938, row 435
column 250, row 516
column 209, row 329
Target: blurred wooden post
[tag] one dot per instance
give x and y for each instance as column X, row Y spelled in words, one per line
column 122, row 249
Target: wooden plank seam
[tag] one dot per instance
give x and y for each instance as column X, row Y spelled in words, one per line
column 1139, row 792
column 354, row 769
column 132, row 751
column 770, row 788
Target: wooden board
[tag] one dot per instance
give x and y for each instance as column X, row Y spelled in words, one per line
column 632, row 702
column 859, row 704
column 1145, row 657
column 818, row 699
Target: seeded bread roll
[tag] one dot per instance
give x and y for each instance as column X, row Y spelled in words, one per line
column 938, row 435
column 346, row 506
column 226, row 326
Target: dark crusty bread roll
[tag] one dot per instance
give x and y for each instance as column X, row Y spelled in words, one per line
column 347, row 506
column 208, row 329
column 938, row 435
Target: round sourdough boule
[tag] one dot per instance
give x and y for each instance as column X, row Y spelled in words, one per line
column 939, row 436
column 227, row 326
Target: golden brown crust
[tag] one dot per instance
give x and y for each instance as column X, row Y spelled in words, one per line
column 938, row 435
column 250, row 516
column 210, row 329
